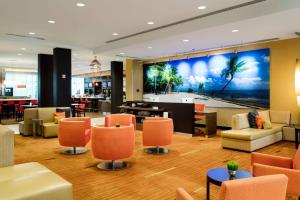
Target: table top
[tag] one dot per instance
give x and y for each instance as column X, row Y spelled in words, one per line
column 205, row 112
column 219, row 175
column 30, row 106
column 141, row 108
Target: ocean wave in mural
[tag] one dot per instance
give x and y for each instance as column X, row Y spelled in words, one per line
column 235, row 80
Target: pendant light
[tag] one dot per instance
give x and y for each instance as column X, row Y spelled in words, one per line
column 95, row 64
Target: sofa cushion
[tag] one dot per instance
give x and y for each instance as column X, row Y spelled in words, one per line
column 265, row 115
column 240, row 121
column 252, row 118
column 32, row 181
column 267, row 124
column 46, row 114
column 50, row 129
column 7, row 138
column 282, row 117
column 259, row 122
column 251, row 133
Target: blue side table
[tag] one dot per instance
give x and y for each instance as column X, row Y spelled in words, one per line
column 218, row 175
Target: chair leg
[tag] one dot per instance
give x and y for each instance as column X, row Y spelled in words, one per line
column 75, row 151
column 112, row 166
column 156, row 150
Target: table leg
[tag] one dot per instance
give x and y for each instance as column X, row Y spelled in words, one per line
column 207, row 189
column 296, row 138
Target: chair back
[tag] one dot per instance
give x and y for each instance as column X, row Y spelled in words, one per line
column 72, row 133
column 34, row 102
column 181, row 194
column 10, row 102
column 113, row 143
column 259, row 188
column 157, row 131
column 122, row 119
column 86, row 120
column 199, row 107
column 296, row 161
column 22, row 102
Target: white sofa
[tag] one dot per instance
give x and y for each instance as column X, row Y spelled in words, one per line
column 28, row 181
column 242, row 137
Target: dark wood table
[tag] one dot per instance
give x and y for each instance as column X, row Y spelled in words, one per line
column 218, row 175
column 210, row 122
column 29, row 106
column 297, row 131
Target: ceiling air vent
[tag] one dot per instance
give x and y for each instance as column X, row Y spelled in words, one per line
column 24, row 36
column 249, row 3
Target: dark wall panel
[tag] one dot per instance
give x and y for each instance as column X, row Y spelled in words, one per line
column 45, row 80
column 62, row 76
column 116, row 85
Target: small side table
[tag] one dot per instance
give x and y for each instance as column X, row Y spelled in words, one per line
column 297, row 131
column 37, row 128
column 218, row 175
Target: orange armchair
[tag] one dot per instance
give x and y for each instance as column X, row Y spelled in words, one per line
column 199, row 108
column 258, row 188
column 157, row 132
column 122, row 119
column 113, row 143
column 263, row 164
column 74, row 132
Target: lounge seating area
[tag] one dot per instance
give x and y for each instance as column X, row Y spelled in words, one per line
column 150, row 100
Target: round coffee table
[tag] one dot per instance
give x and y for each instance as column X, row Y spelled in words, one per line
column 218, row 175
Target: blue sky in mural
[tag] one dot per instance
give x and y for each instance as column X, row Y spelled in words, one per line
column 254, row 76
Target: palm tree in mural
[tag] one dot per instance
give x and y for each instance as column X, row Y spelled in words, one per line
column 170, row 79
column 200, row 87
column 233, row 67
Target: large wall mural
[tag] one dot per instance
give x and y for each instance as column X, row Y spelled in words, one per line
column 236, row 80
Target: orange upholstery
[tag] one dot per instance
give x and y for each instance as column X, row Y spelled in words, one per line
column 113, row 143
column 74, row 132
column 199, row 107
column 181, row 194
column 258, row 188
column 122, row 119
column 263, row 164
column 157, row 131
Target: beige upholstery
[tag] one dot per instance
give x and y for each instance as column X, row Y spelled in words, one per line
column 241, row 137
column 6, row 147
column 50, row 129
column 25, row 127
column 32, row 181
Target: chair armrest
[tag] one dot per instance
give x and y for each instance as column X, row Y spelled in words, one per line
column 181, row 194
column 292, row 174
column 276, row 161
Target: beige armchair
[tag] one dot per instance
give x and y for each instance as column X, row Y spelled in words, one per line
column 50, row 128
column 27, row 181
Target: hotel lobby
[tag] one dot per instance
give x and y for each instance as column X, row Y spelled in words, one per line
column 149, row 100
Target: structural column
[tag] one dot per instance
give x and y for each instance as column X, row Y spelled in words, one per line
column 45, row 80
column 62, row 76
column 116, row 85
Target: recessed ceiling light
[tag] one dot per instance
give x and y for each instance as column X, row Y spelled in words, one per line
column 149, row 47
column 80, row 4
column 31, row 33
column 150, row 23
column 23, row 48
column 201, row 7
column 235, row 30
column 19, row 54
column 115, row 34
column 51, row 21
column 122, row 53
column 185, row 40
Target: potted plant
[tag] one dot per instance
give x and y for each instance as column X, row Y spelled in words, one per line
column 232, row 167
